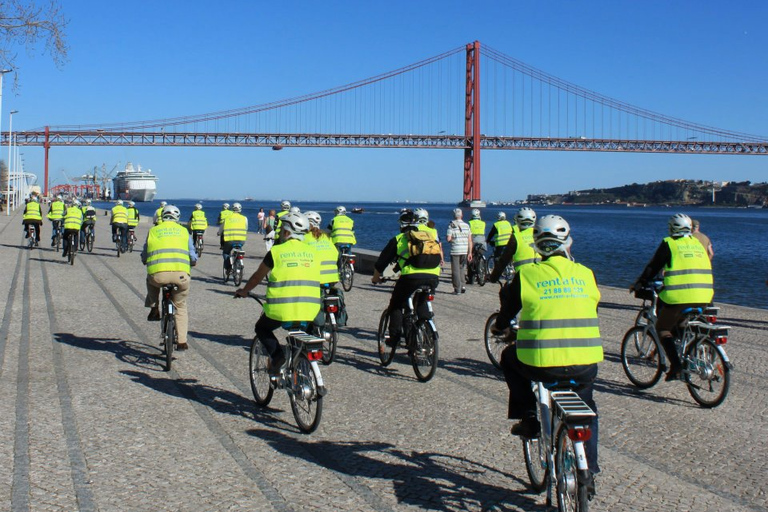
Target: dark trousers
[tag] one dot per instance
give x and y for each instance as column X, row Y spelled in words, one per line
column 123, row 229
column 65, row 242
column 404, row 287
column 522, row 400
column 667, row 320
column 37, row 224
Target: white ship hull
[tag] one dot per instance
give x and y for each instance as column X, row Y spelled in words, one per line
column 135, row 185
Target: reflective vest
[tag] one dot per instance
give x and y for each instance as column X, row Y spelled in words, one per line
column 503, row 232
column 89, row 214
column 73, row 218
column 402, row 257
column 327, row 255
column 57, row 210
column 119, row 215
column 688, row 277
column 224, row 215
column 32, row 211
column 427, row 229
column 168, row 248
column 133, row 217
column 558, row 322
column 199, row 222
column 525, row 252
column 279, row 216
column 477, row 227
column 342, row 230
column 235, row 228
column 293, row 289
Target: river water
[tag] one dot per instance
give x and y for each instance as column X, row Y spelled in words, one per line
column 615, row 242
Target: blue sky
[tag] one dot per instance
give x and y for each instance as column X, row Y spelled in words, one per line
column 702, row 61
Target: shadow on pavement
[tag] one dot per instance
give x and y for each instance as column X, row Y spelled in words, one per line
column 472, row 368
column 613, row 305
column 628, row 390
column 131, row 352
column 224, row 339
column 427, row 480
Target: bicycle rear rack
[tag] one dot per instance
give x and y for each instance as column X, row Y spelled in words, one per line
column 571, row 409
column 310, row 342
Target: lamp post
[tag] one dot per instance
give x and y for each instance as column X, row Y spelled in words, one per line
column 10, row 138
column 8, row 183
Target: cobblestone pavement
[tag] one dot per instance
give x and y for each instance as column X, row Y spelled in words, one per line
column 92, row 422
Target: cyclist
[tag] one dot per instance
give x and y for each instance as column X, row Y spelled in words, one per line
column 520, row 248
column 233, row 231
column 197, row 222
column 461, row 250
column 119, row 222
column 223, row 214
column 687, row 282
column 73, row 221
column 33, row 215
column 425, row 225
column 293, row 287
column 342, row 229
column 559, row 337
column 158, row 217
column 56, row 215
column 500, row 234
column 168, row 254
column 133, row 214
column 285, row 207
column 413, row 274
column 328, row 258
column 89, row 218
column 477, row 229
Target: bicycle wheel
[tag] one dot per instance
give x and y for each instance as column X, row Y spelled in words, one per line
column 169, row 337
column 117, row 246
column 257, row 368
column 494, row 345
column 200, row 246
column 709, row 377
column 330, row 339
column 481, row 272
column 306, row 402
column 424, row 352
column 224, row 274
column 571, row 492
column 89, row 241
column 642, row 316
column 82, row 241
column 640, row 357
column 58, row 242
column 237, row 272
column 347, row 275
column 386, row 354
column 72, row 250
column 536, row 463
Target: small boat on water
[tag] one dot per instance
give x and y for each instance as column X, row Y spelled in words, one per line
column 358, row 210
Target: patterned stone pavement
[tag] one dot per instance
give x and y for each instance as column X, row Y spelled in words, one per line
column 92, row 422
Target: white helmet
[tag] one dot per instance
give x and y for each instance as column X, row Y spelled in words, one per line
column 225, row 206
column 501, row 216
column 294, row 209
column 170, row 212
column 680, row 225
column 198, row 206
column 58, row 197
column 476, row 214
column 285, row 205
column 314, row 219
column 119, row 202
column 408, row 219
column 422, row 215
column 552, row 234
column 76, row 203
column 88, row 202
column 163, row 204
column 340, row 210
column 525, row 217
column 457, row 213
column 296, row 224
column 130, row 203
column 237, row 208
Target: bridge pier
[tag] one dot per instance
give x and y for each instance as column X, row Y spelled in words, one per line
column 472, row 125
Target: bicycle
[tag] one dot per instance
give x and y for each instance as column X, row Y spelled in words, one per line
column 328, row 331
column 509, row 270
column 496, row 343
column 700, row 347
column 647, row 313
column 300, row 375
column 419, row 335
column 478, row 267
column 72, row 242
column 119, row 242
column 236, row 264
column 131, row 239
column 90, row 237
column 556, row 459
column 198, row 242
column 56, row 234
column 168, row 331
column 31, row 236
column 347, row 267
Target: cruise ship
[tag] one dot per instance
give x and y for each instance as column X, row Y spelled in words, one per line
column 135, row 184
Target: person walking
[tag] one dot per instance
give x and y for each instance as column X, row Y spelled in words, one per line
column 701, row 237
column 461, row 250
column 260, row 219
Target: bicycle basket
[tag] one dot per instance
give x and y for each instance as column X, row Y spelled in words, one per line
column 644, row 294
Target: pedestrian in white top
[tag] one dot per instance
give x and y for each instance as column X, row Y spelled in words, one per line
column 461, row 250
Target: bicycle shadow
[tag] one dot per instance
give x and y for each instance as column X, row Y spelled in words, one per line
column 426, row 480
column 219, row 400
column 369, row 362
column 472, row 368
column 628, row 390
column 127, row 351
column 615, row 305
column 230, row 340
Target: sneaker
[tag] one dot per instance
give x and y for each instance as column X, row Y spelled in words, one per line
column 528, row 428
column 591, row 491
column 53, row 243
column 182, row 346
column 463, row 290
column 389, row 342
column 276, row 363
column 674, row 374
column 154, row 315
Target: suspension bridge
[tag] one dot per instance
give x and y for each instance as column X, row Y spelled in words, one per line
column 432, row 104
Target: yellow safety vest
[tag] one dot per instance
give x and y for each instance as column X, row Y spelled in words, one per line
column 73, row 218
column 119, row 215
column 133, row 217
column 328, row 256
column 427, row 229
column 279, row 216
column 525, row 252
column 558, row 322
column 293, row 289
column 224, row 215
column 477, row 227
column 403, row 254
column 688, row 277
column 32, row 211
column 168, row 248
column 342, row 230
column 234, row 228
column 503, row 232
column 57, row 210
column 199, row 222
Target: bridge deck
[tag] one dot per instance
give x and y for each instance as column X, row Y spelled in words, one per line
column 92, row 422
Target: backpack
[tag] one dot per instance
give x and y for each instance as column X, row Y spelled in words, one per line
column 423, row 249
